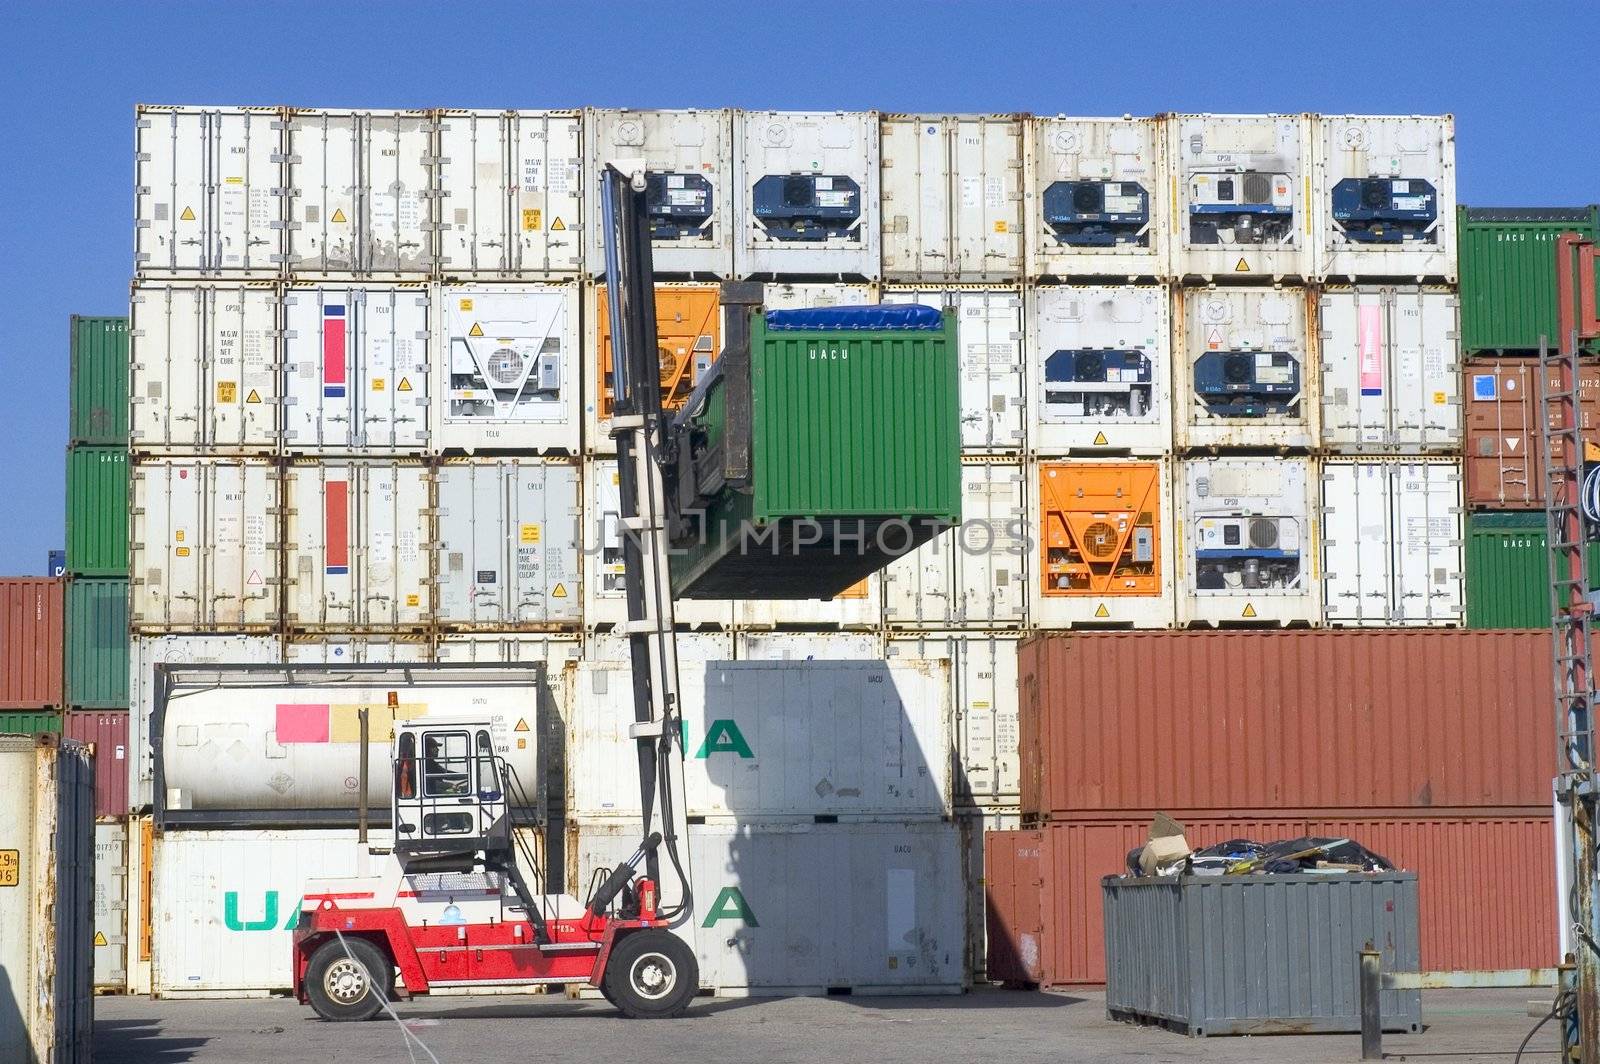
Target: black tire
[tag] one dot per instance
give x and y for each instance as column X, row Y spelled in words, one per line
column 349, row 986
column 651, row 974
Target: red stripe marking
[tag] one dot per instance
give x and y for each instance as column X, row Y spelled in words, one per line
column 333, row 349
column 336, row 523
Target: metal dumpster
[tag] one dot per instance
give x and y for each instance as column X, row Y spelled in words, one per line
column 1257, row 954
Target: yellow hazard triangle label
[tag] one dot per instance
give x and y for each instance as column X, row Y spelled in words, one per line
column 1249, row 610
column 338, row 215
column 1102, row 611
column 100, row 939
column 253, row 397
column 1241, row 266
column 559, row 592
column 187, row 215
column 476, row 330
column 558, row 226
column 404, row 385
column 1099, row 439
column 522, row 724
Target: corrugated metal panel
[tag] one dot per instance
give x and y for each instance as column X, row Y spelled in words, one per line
column 1508, row 275
column 507, row 543
column 108, row 732
column 1508, row 570
column 97, row 511
column 1195, row 952
column 760, row 886
column 110, row 904
column 99, row 381
column 21, row 722
column 1504, row 453
column 97, row 644
column 47, row 909
column 1333, row 719
column 777, row 739
column 31, row 631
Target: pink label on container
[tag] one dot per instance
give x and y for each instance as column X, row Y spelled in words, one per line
column 302, row 723
column 1369, row 348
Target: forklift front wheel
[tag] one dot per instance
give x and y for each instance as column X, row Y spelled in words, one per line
column 349, row 984
column 651, row 974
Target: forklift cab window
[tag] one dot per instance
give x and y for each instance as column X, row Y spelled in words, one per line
column 405, row 767
column 445, row 760
column 488, row 778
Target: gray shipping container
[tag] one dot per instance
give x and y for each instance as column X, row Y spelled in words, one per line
column 46, row 900
column 1258, row 954
column 111, row 904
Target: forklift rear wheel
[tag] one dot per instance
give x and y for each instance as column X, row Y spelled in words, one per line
column 349, row 984
column 652, row 974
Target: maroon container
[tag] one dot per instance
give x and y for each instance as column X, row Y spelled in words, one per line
column 107, row 730
column 1504, row 453
column 1494, row 875
column 1250, row 723
column 32, row 631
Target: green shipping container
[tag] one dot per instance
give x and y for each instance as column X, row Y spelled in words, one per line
column 28, row 722
column 97, row 511
column 99, row 384
column 1508, row 273
column 1508, row 569
column 855, row 453
column 97, row 643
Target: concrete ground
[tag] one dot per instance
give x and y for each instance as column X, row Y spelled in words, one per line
column 1012, row 1027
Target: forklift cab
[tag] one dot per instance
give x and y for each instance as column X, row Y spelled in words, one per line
column 450, row 789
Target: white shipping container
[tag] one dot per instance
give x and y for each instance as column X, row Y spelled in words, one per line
column 1105, row 535
column 507, row 543
column 895, row 915
column 225, row 903
column 1247, row 543
column 604, row 599
column 203, row 368
column 775, row 739
column 1391, row 370
column 203, row 545
column 139, row 921
column 208, row 191
column 1099, row 370
column 358, row 544
column 1241, row 196
column 344, row 649
column 1247, row 376
column 145, row 652
column 1386, row 191
column 785, row 296
column 360, row 191
column 266, row 741
column 559, row 654
column 1392, row 542
column 689, row 157
column 858, row 607
column 355, row 369
column 510, row 194
column 919, row 589
column 1097, row 200
column 807, row 646
column 952, row 197
column 989, row 332
column 47, row 852
column 807, row 194
column 984, row 676
column 695, row 649
column 110, row 904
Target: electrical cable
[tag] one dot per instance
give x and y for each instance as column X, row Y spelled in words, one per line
column 1560, row 1008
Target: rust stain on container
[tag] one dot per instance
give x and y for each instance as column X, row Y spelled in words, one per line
column 1494, row 875
column 1505, row 456
column 1113, row 723
column 107, row 731
column 32, row 630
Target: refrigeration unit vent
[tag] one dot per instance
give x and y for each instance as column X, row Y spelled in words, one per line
column 1097, row 214
column 679, row 206
column 1250, row 207
column 1246, row 553
column 1097, row 383
column 1247, row 384
column 494, row 377
column 808, row 207
column 1386, row 210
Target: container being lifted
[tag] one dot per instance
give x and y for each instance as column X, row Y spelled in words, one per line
column 821, row 445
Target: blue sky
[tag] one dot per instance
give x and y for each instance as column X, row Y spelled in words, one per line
column 1519, row 77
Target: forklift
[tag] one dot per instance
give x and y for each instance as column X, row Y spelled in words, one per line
column 451, row 907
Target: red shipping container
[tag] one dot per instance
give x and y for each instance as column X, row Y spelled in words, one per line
column 1504, row 454
column 32, row 631
column 1253, row 724
column 1487, row 887
column 108, row 731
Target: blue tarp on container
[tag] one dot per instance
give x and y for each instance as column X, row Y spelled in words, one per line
column 861, row 319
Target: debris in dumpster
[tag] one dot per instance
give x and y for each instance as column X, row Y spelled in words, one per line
column 1168, row 854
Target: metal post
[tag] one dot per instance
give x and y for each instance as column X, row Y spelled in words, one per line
column 1369, row 982
column 361, row 777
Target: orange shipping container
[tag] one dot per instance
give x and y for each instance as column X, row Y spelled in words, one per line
column 1104, row 560
column 689, row 330
column 32, row 631
column 1487, row 887
column 1505, row 456
column 1251, row 723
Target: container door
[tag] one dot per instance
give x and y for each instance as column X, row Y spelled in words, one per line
column 473, row 195
column 472, row 579
column 1503, row 448
column 1342, row 399
column 165, row 559
column 392, row 375
column 986, row 173
column 985, row 672
column 242, row 549
column 1427, row 543
column 397, row 232
column 991, row 554
column 918, row 589
column 989, row 330
column 1357, row 553
column 1425, row 378
column 546, row 172
column 542, row 580
column 916, row 198
column 324, row 187
column 110, row 903
column 391, row 534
